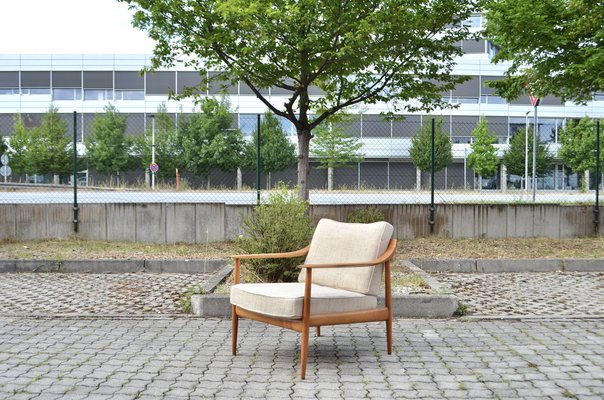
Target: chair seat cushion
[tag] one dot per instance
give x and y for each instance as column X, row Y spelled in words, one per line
column 285, row 300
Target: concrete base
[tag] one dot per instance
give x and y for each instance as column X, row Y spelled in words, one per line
column 438, row 305
column 404, row 306
column 498, row 266
column 113, row 266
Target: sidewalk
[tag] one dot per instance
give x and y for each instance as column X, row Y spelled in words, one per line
column 531, row 352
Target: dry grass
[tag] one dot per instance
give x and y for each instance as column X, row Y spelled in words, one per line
column 422, row 248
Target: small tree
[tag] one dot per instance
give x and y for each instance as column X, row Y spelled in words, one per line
column 280, row 224
column 107, row 147
column 48, row 146
column 19, row 142
column 277, row 153
column 483, row 158
column 208, row 142
column 578, row 145
column 333, row 148
column 514, row 157
column 421, row 147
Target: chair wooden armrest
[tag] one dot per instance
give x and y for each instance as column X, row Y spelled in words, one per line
column 382, row 259
column 239, row 257
column 291, row 254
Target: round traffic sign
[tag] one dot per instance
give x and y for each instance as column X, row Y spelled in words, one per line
column 4, row 159
column 153, row 167
column 5, row 170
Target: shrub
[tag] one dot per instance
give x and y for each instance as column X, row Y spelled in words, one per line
column 281, row 224
column 366, row 215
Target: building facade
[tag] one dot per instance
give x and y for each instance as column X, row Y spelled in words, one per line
column 29, row 84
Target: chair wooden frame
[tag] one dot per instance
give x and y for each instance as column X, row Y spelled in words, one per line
column 303, row 325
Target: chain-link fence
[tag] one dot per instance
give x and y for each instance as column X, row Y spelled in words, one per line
column 193, row 163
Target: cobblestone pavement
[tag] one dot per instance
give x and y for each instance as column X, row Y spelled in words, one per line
column 528, row 294
column 131, row 293
column 182, row 358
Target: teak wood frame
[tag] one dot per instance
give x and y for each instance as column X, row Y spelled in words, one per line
column 303, row 325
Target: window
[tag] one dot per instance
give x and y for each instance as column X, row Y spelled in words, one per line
column 248, row 123
column 492, row 99
column 124, row 94
column 35, row 91
column 464, row 100
column 475, row 21
column 98, row 94
column 6, row 91
column 67, row 94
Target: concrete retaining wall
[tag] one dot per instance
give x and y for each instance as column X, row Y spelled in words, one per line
column 209, row 222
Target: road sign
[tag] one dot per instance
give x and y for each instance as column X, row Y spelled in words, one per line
column 153, row 167
column 4, row 159
column 534, row 100
column 5, row 170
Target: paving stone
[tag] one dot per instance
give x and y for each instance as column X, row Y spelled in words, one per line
column 528, row 294
column 74, row 293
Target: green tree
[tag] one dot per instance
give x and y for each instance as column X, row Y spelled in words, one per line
column 355, row 52
column 208, row 142
column 108, row 149
column 334, row 148
column 421, row 147
column 167, row 147
column 578, row 145
column 19, row 142
column 277, row 153
column 514, row 157
column 483, row 158
column 48, row 149
column 555, row 46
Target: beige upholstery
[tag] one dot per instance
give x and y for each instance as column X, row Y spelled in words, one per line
column 285, row 300
column 339, row 283
column 338, row 242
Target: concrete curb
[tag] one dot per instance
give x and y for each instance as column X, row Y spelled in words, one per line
column 499, row 266
column 439, row 305
column 113, row 266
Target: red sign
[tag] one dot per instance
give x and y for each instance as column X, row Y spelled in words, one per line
column 534, row 100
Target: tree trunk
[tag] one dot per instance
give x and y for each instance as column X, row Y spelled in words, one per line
column 303, row 164
column 239, row 180
column 480, row 183
column 418, row 179
column 330, row 178
column 268, row 180
column 208, row 187
column 55, row 179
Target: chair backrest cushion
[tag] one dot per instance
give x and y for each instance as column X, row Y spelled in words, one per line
column 335, row 242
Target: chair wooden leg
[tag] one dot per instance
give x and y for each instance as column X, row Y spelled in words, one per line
column 389, row 334
column 304, row 352
column 318, row 331
column 235, row 321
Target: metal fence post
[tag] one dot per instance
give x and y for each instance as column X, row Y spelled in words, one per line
column 258, row 161
column 75, row 172
column 597, row 205
column 432, row 207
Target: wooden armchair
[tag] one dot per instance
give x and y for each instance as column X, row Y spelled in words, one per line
column 338, row 283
